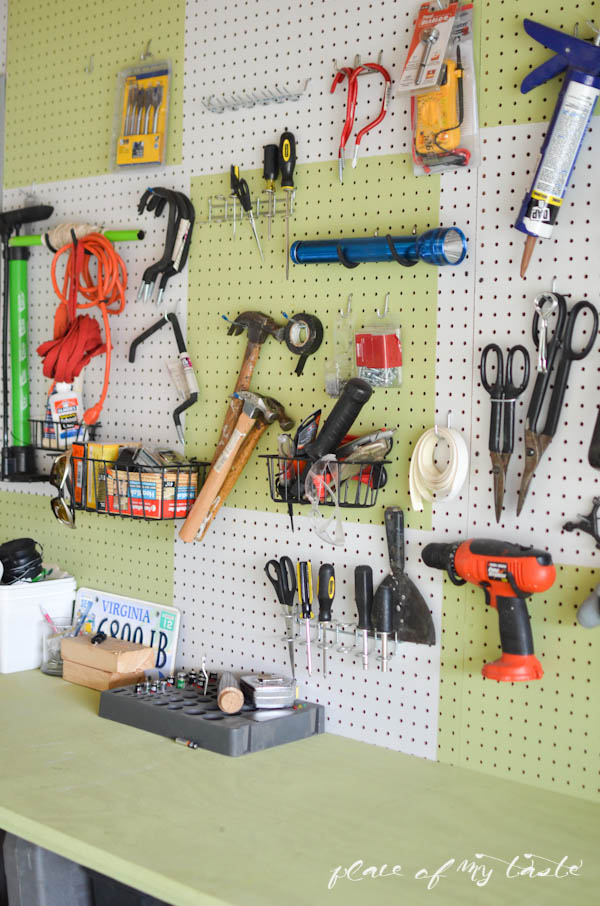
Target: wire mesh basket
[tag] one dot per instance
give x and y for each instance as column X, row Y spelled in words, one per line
column 357, row 485
column 136, row 492
column 57, row 436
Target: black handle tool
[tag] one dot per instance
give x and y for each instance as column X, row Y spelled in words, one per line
column 363, row 595
column 325, row 594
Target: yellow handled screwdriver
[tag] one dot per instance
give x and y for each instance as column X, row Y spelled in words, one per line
column 287, row 163
column 305, row 596
column 325, row 594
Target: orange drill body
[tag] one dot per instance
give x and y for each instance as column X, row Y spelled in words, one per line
column 507, row 573
column 491, row 571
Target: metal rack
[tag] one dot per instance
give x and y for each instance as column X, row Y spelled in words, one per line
column 57, row 437
column 247, row 99
column 227, row 208
column 359, row 489
column 137, row 492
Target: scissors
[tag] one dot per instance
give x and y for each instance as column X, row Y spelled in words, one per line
column 561, row 341
column 282, row 575
column 504, row 394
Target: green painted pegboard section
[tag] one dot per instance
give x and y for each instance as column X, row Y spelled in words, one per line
column 226, row 277
column 545, row 733
column 122, row 555
column 508, row 54
column 63, row 115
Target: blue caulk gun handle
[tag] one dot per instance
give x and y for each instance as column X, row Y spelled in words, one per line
column 574, row 108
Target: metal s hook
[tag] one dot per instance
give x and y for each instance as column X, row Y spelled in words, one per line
column 147, row 52
column 385, row 307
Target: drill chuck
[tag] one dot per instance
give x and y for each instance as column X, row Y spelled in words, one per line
column 437, row 556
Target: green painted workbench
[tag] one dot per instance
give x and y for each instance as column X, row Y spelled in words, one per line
column 269, row 829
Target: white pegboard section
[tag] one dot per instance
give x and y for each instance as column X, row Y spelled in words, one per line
column 232, row 46
column 456, row 288
column 564, row 483
column 230, row 613
column 141, row 397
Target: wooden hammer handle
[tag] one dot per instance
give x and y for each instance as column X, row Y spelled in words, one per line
column 215, row 479
column 241, row 460
column 235, row 405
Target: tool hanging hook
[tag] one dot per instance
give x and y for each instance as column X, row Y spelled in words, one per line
column 147, row 52
column 386, row 306
column 348, row 312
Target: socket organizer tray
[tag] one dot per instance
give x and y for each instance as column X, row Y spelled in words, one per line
column 191, row 714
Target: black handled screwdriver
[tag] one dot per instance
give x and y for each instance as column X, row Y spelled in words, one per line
column 325, row 594
column 240, row 187
column 270, row 173
column 287, row 164
column 305, row 596
column 363, row 595
column 383, row 611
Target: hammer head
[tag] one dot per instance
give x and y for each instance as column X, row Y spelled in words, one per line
column 268, row 408
column 258, row 325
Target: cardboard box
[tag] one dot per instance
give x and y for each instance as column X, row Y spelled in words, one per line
column 98, row 679
column 153, row 495
column 114, row 662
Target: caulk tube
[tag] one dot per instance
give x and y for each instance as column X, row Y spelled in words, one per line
column 558, row 155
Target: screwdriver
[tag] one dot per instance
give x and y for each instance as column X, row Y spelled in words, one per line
column 326, row 594
column 270, row 174
column 240, row 187
column 287, row 163
column 305, row 594
column 363, row 594
column 383, row 607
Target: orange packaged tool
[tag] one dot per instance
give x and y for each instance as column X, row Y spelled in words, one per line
column 444, row 119
column 141, row 119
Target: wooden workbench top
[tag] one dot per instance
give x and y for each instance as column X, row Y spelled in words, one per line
column 270, row 829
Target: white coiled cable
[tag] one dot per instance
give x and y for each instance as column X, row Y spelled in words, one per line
column 426, row 481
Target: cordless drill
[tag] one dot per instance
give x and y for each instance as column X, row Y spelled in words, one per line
column 508, row 573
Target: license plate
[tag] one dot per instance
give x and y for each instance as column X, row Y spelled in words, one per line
column 138, row 621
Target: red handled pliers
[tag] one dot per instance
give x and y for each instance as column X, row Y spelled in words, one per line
column 352, row 76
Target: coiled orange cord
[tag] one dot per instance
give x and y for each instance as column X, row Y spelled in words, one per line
column 77, row 337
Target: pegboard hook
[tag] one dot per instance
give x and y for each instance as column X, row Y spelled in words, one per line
column 147, row 52
column 347, row 313
column 386, row 307
column 90, row 66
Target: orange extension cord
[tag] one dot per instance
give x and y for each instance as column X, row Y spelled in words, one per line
column 77, row 338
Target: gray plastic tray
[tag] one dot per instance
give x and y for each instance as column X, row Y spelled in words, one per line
column 190, row 714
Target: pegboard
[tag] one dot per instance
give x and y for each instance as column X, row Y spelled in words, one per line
column 227, row 275
column 230, row 614
column 508, row 54
column 65, row 114
column 284, row 44
column 228, row 607
column 544, row 733
column 564, row 483
column 141, row 396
